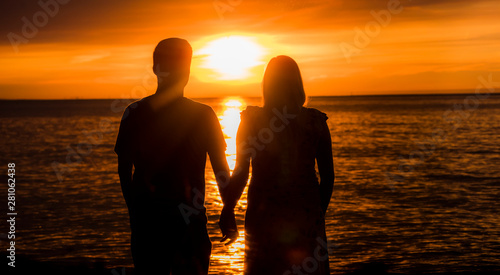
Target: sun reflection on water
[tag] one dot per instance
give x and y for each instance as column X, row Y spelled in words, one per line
column 226, row 259
column 229, row 121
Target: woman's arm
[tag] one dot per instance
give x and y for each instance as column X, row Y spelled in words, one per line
column 239, row 178
column 232, row 192
column 324, row 159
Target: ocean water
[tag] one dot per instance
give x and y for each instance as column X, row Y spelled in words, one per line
column 416, row 191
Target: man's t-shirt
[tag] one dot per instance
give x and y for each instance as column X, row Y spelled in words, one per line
column 168, row 148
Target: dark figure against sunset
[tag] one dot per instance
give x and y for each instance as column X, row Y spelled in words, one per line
column 285, row 218
column 165, row 137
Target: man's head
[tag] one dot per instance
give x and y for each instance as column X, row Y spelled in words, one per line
column 172, row 62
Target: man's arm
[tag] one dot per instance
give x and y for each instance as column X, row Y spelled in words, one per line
column 221, row 171
column 216, row 149
column 125, row 173
column 123, row 148
column 217, row 154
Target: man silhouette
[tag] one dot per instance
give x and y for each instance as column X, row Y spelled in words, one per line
column 165, row 138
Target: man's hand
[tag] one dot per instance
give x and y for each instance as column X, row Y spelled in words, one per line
column 227, row 224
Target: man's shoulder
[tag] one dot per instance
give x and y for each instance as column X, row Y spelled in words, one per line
column 134, row 108
column 196, row 104
column 139, row 103
column 196, row 107
column 251, row 112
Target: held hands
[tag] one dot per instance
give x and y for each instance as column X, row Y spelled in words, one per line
column 227, row 224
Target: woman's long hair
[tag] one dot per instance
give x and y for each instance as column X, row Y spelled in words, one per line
column 282, row 85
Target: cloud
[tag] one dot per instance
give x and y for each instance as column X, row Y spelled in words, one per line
column 316, row 77
column 112, row 41
column 111, row 21
column 90, row 57
column 128, row 21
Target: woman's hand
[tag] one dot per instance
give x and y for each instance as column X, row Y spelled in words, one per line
column 227, row 224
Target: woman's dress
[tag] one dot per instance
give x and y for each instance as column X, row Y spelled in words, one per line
column 284, row 223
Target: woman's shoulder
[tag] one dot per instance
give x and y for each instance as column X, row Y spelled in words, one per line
column 251, row 111
column 315, row 113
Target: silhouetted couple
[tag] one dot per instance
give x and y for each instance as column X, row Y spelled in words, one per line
column 162, row 146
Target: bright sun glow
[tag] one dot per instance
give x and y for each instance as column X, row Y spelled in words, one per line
column 231, row 57
column 233, row 103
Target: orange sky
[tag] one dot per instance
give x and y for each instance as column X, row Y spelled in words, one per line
column 103, row 49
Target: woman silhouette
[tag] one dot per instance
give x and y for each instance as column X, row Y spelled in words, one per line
column 284, row 222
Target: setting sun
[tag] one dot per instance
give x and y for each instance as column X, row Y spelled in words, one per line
column 231, row 57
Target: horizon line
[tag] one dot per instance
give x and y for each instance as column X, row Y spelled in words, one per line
column 216, row 97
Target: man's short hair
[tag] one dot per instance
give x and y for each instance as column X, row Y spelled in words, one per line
column 172, row 56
